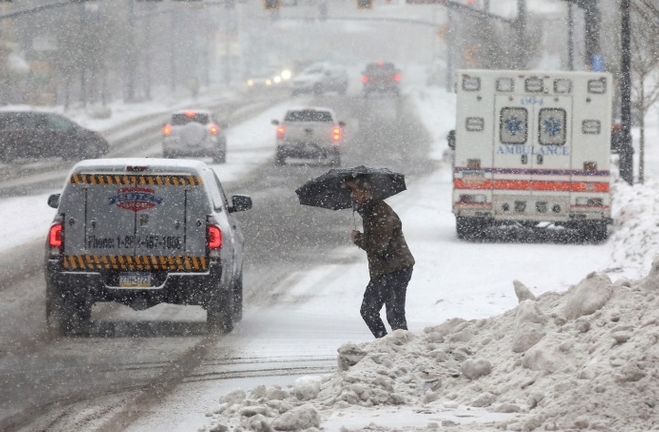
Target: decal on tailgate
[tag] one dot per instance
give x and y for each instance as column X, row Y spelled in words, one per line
column 134, row 262
column 135, row 199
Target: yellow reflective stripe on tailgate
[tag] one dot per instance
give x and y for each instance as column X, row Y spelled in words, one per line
column 115, row 179
column 129, row 262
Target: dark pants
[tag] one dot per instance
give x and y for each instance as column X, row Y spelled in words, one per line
column 388, row 290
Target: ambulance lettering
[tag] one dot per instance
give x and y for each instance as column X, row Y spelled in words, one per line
column 552, row 150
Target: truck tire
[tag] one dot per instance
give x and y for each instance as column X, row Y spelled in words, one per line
column 238, row 299
column 219, row 312
column 219, row 157
column 67, row 315
column 335, row 158
column 280, row 157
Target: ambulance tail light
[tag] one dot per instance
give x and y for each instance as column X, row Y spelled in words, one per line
column 281, row 131
column 214, row 129
column 590, row 166
column 55, row 240
column 213, row 240
column 167, row 130
column 473, row 199
column 474, row 163
column 590, row 202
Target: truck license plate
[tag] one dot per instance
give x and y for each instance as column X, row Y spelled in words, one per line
column 135, row 280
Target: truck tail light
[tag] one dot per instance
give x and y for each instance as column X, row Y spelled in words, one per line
column 364, row 79
column 336, row 134
column 213, row 237
column 281, row 130
column 55, row 239
column 397, row 77
column 214, row 130
column 167, row 130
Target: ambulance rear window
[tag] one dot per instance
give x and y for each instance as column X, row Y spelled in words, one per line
column 552, row 126
column 514, row 125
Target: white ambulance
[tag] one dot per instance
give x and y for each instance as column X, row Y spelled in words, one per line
column 532, row 148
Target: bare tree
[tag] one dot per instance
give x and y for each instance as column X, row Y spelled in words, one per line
column 645, row 72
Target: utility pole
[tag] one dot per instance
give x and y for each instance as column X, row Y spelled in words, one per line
column 570, row 37
column 520, row 31
column 626, row 149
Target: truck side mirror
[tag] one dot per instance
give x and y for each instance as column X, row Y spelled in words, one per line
column 275, row 122
column 53, row 200
column 240, row 203
column 342, row 123
column 451, row 139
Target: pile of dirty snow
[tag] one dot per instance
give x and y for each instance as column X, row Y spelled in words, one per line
column 583, row 359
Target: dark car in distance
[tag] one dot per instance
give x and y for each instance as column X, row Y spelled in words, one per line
column 381, row 77
column 30, row 134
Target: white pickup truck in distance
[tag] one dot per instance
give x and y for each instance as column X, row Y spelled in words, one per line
column 309, row 133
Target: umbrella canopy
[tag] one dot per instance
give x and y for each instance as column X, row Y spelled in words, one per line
column 329, row 190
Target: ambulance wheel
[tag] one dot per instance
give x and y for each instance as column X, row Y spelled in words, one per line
column 238, row 299
column 219, row 312
column 594, row 232
column 470, row 228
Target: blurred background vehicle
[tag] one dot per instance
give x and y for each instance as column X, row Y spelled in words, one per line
column 309, row 133
column 381, row 77
column 320, row 78
column 29, row 134
column 266, row 78
column 194, row 133
column 436, row 73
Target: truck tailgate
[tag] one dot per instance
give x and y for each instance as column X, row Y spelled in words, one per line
column 135, row 222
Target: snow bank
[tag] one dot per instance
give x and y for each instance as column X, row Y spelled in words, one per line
column 584, row 359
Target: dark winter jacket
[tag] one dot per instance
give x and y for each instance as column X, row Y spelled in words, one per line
column 383, row 239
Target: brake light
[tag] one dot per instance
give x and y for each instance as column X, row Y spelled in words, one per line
column 214, row 129
column 190, row 113
column 214, row 237
column 281, row 130
column 167, row 130
column 364, row 79
column 55, row 239
column 397, row 77
column 336, row 134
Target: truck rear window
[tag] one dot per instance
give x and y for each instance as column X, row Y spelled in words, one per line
column 308, row 116
column 183, row 119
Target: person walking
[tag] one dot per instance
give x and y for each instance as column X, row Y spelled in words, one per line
column 390, row 261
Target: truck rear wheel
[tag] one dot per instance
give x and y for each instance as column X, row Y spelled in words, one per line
column 280, row 157
column 335, row 158
column 238, row 299
column 219, row 312
column 67, row 315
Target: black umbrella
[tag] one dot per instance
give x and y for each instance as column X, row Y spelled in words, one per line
column 329, row 190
